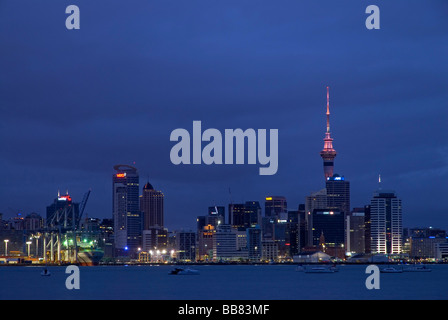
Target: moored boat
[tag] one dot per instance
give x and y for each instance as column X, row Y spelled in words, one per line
column 319, row 269
column 417, row 268
column 182, row 271
column 391, row 270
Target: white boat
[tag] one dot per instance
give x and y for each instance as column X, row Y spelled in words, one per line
column 182, row 271
column 417, row 268
column 319, row 269
column 391, row 270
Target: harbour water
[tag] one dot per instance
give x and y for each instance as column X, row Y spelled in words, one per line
column 220, row 282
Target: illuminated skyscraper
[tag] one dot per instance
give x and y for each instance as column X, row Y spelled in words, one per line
column 125, row 210
column 151, row 205
column 338, row 193
column 328, row 153
column 385, row 222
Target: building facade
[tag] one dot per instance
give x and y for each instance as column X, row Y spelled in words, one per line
column 125, row 210
column 386, row 222
column 151, row 205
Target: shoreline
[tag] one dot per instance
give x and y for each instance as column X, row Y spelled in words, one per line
column 118, row 264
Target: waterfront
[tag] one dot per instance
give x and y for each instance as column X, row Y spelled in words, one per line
column 220, row 282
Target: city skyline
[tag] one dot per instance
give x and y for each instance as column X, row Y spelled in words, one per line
column 264, row 67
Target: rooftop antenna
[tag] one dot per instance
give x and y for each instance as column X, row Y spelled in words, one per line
column 379, row 181
column 328, row 109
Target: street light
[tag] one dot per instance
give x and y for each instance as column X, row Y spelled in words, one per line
column 6, row 246
column 37, row 244
column 29, row 244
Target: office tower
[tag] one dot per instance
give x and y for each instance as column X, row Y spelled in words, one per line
column 186, row 246
column 125, row 210
column 293, row 232
column 154, row 238
column 441, row 250
column 275, row 206
column 385, row 222
column 423, row 242
column 267, row 227
column 62, row 212
column 33, row 221
column 237, row 215
column 367, row 230
column 317, row 200
column 328, row 153
column 253, row 213
column 254, row 243
column 216, row 216
column 338, row 193
column 225, row 247
column 206, row 243
column 245, row 215
column 356, row 228
column 151, row 205
column 269, row 250
column 330, row 224
column 206, row 228
column 302, row 227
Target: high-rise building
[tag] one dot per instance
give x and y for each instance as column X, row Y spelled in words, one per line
column 206, row 243
column 329, row 224
column 245, row 215
column 385, row 222
column 317, row 200
column 225, row 246
column 216, row 216
column 237, row 215
column 293, row 232
column 275, row 206
column 125, row 210
column 154, row 238
column 356, row 230
column 254, row 243
column 253, row 214
column 186, row 245
column 328, row 153
column 151, row 205
column 423, row 242
column 33, row 221
column 338, row 193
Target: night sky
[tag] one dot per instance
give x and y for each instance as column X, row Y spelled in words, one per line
column 74, row 103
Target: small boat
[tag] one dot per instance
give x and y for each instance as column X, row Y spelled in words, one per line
column 334, row 268
column 45, row 273
column 182, row 271
column 300, row 268
column 417, row 268
column 391, row 270
column 319, row 269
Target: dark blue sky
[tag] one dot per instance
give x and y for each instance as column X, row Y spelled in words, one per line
column 75, row 103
